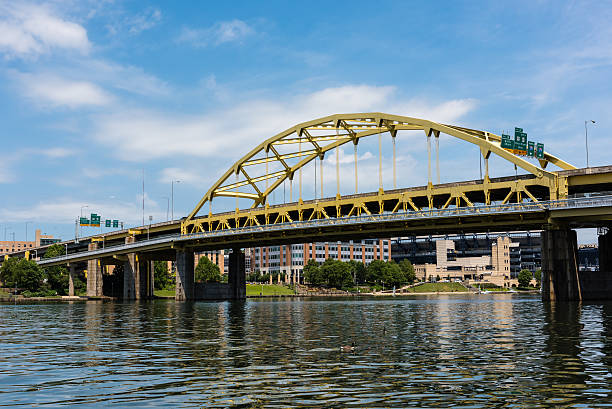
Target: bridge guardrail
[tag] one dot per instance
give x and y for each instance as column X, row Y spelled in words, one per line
column 600, row 201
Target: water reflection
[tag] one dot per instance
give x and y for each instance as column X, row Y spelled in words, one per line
column 431, row 351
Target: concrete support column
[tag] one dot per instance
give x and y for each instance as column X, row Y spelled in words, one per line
column 130, row 272
column 605, row 252
column 560, row 280
column 71, row 276
column 144, row 284
column 185, row 281
column 94, row 275
column 237, row 275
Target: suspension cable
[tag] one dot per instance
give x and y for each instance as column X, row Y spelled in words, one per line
column 356, row 179
column 429, row 159
column 394, row 174
column 438, row 157
column 380, row 184
column 337, row 166
column 321, row 160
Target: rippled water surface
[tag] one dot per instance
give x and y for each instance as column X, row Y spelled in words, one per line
column 434, row 351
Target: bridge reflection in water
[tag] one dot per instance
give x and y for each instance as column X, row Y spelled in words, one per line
column 450, row 350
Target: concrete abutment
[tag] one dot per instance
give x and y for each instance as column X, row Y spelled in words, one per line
column 94, row 275
column 237, row 275
column 561, row 279
column 185, row 280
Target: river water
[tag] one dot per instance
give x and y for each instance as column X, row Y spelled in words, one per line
column 430, row 351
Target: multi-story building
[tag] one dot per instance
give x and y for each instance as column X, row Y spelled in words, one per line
column 492, row 257
column 291, row 259
column 10, row 246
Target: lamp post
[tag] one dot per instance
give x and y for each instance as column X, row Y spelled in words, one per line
column 167, row 206
column 26, row 230
column 586, row 140
column 149, row 230
column 80, row 227
column 172, row 188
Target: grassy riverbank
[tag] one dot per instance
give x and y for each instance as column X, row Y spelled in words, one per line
column 164, row 293
column 268, row 290
column 437, row 288
column 4, row 294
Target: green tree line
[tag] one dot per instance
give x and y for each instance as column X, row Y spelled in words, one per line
column 33, row 280
column 340, row 274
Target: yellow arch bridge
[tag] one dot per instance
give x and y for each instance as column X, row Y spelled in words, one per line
column 539, row 198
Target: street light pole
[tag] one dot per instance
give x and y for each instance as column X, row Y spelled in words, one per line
column 586, row 141
column 26, row 230
column 167, row 207
column 80, row 227
column 172, row 188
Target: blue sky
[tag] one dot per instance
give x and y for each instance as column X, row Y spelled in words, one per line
column 93, row 92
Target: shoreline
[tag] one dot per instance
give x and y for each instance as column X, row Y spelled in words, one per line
column 15, row 300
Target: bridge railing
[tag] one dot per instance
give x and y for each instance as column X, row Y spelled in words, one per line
column 572, row 203
column 413, row 214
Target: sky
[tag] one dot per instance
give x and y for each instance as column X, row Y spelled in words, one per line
column 96, row 94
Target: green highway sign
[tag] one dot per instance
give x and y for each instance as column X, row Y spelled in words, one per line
column 107, row 223
column 521, row 146
column 531, row 149
column 539, row 151
column 95, row 220
column 84, row 221
column 115, row 223
column 507, row 142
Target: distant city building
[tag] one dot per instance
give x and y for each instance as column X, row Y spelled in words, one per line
column 39, row 240
column 588, row 257
column 493, row 257
column 290, row 259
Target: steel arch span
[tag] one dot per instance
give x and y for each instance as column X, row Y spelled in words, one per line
column 280, row 158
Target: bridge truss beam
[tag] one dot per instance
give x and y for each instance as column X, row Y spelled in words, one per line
column 291, row 150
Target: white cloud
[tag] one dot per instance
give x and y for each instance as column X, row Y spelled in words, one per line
column 182, row 175
column 127, row 78
column 222, row 32
column 6, row 175
column 51, row 90
column 29, row 30
column 143, row 135
column 57, row 153
column 145, row 20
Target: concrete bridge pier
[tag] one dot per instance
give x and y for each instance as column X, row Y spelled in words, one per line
column 185, row 280
column 137, row 278
column 560, row 278
column 94, row 275
column 236, row 275
column 72, row 272
column 605, row 252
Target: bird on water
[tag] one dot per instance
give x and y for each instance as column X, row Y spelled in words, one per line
column 348, row 348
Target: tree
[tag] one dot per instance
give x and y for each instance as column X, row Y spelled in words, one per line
column 57, row 276
column 394, row 274
column 336, row 273
column 358, row 271
column 524, row 278
column 161, row 276
column 207, row 271
column 538, row 276
column 375, row 271
column 312, row 273
column 408, row 269
column 22, row 273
